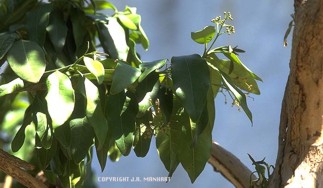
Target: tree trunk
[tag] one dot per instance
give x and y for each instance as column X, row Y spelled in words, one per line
column 300, row 155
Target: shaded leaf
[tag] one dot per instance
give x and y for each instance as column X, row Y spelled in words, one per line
column 6, row 41
column 37, row 21
column 63, row 135
column 144, row 135
column 148, row 67
column 124, row 75
column 57, row 30
column 27, row 60
column 81, row 138
column 191, row 80
column 60, row 96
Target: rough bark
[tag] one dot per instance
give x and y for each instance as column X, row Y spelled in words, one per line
column 299, row 161
column 17, row 168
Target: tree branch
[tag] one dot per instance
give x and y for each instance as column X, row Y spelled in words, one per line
column 16, row 168
column 230, row 167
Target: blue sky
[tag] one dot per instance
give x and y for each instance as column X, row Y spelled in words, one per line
column 260, row 27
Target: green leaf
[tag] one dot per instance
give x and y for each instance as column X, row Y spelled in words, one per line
column 81, row 139
column 94, row 112
column 204, row 36
column 124, row 75
column 215, row 79
column 143, row 38
column 95, row 67
column 191, row 80
column 233, row 57
column 144, row 135
column 6, row 41
column 114, row 153
column 37, row 21
column 113, row 39
column 238, row 94
column 14, row 86
column 60, row 96
column 44, row 156
column 27, row 60
column 121, row 113
column 42, row 130
column 18, row 140
column 148, row 67
column 194, row 157
column 63, row 135
column 57, row 30
column 127, row 22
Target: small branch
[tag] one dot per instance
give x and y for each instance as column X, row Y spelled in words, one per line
column 230, row 167
column 16, row 167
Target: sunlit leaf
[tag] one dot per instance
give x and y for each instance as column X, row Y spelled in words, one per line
column 127, row 22
column 14, row 86
column 204, row 36
column 191, row 80
column 120, row 81
column 239, row 95
column 94, row 112
column 95, row 67
column 27, row 60
column 60, row 96
column 113, row 39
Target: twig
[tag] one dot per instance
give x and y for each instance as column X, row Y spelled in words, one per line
column 230, row 167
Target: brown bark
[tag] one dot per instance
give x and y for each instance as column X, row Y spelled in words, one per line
column 16, row 168
column 299, row 161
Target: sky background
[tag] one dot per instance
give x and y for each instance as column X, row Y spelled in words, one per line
column 260, row 28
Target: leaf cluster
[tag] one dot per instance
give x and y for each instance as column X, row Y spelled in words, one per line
column 75, row 83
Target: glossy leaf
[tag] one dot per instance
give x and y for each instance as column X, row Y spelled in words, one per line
column 191, row 80
column 42, row 130
column 144, row 135
column 204, row 36
column 60, row 96
column 143, row 38
column 57, row 30
column 148, row 67
column 6, row 41
column 121, row 113
column 127, row 22
column 18, row 140
column 37, row 21
column 27, row 60
column 94, row 112
column 95, row 67
column 239, row 95
column 81, row 139
column 120, row 81
column 14, row 86
column 113, row 39
column 63, row 135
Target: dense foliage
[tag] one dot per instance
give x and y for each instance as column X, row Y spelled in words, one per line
column 72, row 84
